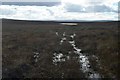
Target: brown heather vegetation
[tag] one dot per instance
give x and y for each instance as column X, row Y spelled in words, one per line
column 22, row 38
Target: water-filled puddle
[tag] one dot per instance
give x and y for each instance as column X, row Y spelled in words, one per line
column 84, row 62
column 36, row 56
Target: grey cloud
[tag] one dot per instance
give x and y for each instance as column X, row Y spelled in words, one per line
column 30, row 0
column 32, row 3
column 92, row 8
column 51, row 12
column 99, row 8
column 7, row 12
column 92, row 2
column 73, row 8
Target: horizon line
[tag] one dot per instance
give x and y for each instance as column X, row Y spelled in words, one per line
column 63, row 20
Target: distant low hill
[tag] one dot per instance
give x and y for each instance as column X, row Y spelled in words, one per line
column 79, row 23
column 59, row 21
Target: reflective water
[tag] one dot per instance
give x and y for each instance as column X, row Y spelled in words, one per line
column 36, row 56
column 84, row 62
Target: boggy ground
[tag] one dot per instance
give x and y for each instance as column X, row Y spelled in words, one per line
column 33, row 50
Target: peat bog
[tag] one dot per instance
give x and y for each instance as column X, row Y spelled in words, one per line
column 48, row 49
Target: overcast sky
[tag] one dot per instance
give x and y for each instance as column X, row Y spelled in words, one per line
column 68, row 10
